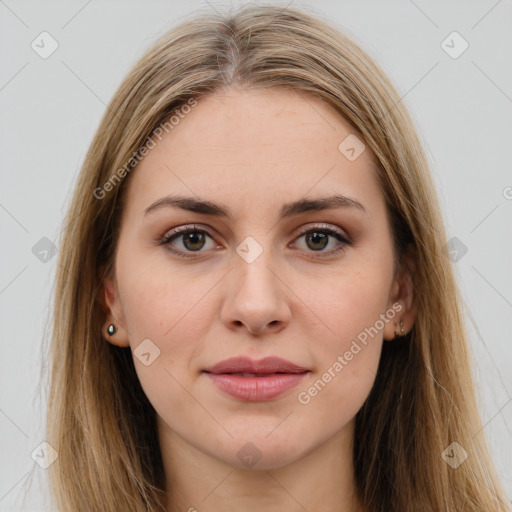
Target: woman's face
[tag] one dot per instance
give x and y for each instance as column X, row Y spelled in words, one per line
column 265, row 272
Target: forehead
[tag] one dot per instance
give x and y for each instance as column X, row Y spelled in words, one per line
column 260, row 145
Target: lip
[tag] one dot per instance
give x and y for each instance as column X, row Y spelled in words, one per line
column 274, row 377
column 248, row 365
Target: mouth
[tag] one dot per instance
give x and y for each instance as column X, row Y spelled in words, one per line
column 253, row 381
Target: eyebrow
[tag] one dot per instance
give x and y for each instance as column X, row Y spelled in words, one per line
column 205, row 207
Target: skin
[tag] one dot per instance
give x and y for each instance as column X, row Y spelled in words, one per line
column 253, row 151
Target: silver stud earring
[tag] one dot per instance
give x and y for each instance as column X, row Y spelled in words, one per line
column 402, row 330
column 111, row 330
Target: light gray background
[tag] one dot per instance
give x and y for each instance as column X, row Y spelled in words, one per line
column 50, row 109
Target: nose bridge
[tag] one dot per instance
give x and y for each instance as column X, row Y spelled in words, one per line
column 256, row 297
column 255, row 259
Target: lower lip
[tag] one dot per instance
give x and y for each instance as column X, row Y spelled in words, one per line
column 256, row 389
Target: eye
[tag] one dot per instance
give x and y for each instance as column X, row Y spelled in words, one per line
column 317, row 239
column 193, row 240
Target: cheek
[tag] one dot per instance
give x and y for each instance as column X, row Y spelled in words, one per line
column 347, row 353
column 347, row 357
column 160, row 304
column 172, row 311
column 352, row 309
column 172, row 318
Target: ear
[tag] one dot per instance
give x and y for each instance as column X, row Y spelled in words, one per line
column 111, row 304
column 403, row 294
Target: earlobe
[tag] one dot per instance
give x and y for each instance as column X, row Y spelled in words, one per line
column 116, row 336
column 396, row 327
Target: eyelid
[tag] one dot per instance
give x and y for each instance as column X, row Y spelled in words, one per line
column 324, row 227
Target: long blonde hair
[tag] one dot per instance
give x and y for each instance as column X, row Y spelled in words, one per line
column 99, row 419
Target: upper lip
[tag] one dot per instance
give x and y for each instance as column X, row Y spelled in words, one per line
column 248, row 365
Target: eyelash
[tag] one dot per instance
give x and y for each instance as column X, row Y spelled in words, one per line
column 322, row 228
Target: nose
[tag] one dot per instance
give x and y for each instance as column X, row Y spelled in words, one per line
column 256, row 298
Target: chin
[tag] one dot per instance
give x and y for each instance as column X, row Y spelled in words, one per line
column 261, row 453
